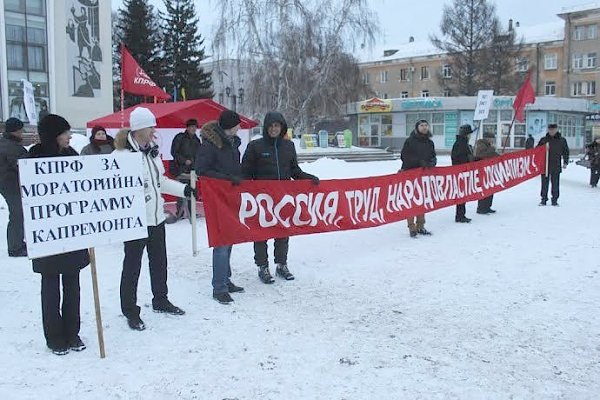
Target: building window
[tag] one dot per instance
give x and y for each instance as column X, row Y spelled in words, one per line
column 522, row 64
column 404, row 95
column 591, row 60
column 583, row 88
column 383, row 75
column 550, row 88
column 447, row 71
column 550, row 61
column 36, row 58
column 579, row 33
column 385, row 95
column 447, row 92
column 365, row 78
column 424, row 72
column 404, row 74
column 15, row 56
column 436, row 122
column 577, row 61
column 592, row 31
column 425, row 93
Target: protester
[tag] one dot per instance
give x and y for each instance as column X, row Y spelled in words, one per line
column 529, row 143
column 100, row 143
column 139, row 138
column 273, row 157
column 592, row 151
column 10, row 151
column 183, row 150
column 418, row 152
column 219, row 157
column 462, row 153
column 559, row 149
column 61, row 322
column 485, row 148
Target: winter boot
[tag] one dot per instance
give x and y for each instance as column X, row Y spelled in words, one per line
column 59, row 350
column 233, row 288
column 136, row 324
column 424, row 231
column 543, row 202
column 282, row 271
column 554, row 203
column 413, row 234
column 77, row 344
column 264, row 274
column 167, row 307
column 223, row 298
column 462, row 219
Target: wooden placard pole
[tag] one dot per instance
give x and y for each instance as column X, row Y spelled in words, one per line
column 97, row 302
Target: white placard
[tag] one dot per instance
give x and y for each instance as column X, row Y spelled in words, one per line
column 29, row 101
column 73, row 203
column 484, row 102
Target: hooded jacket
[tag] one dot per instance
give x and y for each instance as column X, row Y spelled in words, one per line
column 272, row 158
column 155, row 181
column 558, row 149
column 10, row 152
column 218, row 156
column 484, row 149
column 418, row 151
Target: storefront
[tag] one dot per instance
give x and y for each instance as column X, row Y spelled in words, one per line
column 387, row 123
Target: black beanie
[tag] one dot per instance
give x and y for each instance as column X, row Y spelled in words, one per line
column 51, row 126
column 229, row 119
column 13, row 124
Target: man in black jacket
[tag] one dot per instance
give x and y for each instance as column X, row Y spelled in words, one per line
column 559, row 149
column 273, row 157
column 418, row 152
column 183, row 150
column 219, row 157
column 462, row 153
column 10, row 151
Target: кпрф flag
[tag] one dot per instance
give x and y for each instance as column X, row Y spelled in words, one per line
column 525, row 96
column 134, row 79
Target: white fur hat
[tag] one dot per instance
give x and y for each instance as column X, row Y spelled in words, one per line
column 141, row 118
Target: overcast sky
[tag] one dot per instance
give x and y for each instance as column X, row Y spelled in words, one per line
column 400, row 19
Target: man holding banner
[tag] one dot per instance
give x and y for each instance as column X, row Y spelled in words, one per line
column 273, row 157
column 462, row 153
column 61, row 323
column 139, row 139
column 557, row 149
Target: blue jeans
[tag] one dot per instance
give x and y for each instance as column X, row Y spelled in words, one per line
column 221, row 268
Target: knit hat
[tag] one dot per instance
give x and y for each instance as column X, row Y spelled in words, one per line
column 13, row 124
column 51, row 126
column 97, row 129
column 552, row 126
column 191, row 122
column 141, row 118
column 229, row 119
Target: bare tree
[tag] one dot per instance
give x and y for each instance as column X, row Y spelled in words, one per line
column 500, row 56
column 297, row 52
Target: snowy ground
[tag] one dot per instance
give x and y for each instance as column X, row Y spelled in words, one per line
column 504, row 307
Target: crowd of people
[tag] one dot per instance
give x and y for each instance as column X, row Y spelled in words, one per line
column 215, row 154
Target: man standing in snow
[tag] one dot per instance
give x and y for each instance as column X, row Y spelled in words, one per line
column 183, row 149
column 462, row 153
column 484, row 148
column 139, row 140
column 559, row 149
column 219, row 157
column 273, row 157
column 418, row 152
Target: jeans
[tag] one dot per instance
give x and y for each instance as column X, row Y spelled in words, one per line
column 221, row 268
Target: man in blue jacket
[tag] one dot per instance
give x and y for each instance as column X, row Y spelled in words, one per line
column 273, row 157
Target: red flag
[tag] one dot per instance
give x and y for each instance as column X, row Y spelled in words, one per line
column 525, row 96
column 134, row 79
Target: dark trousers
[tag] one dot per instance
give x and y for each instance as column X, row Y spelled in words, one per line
column 461, row 210
column 61, row 324
column 184, row 200
column 132, row 263
column 594, row 175
column 281, row 251
column 553, row 179
column 15, row 233
column 484, row 205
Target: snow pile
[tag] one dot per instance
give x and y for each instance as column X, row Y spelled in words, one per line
column 503, row 307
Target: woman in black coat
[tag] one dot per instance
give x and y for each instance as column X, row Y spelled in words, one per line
column 61, row 323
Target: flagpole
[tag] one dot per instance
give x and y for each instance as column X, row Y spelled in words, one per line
column 507, row 138
column 122, row 91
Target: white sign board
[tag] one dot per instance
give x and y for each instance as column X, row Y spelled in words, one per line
column 29, row 101
column 73, row 203
column 484, row 102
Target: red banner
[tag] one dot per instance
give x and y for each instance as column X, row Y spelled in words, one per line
column 134, row 79
column 261, row 210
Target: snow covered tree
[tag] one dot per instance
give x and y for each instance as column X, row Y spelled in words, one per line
column 184, row 50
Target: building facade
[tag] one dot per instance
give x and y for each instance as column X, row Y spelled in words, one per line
column 63, row 47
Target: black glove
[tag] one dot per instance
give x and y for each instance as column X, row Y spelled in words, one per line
column 188, row 191
column 315, row 180
column 235, row 180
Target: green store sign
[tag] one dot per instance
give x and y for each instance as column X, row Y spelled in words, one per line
column 420, row 103
column 503, row 103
